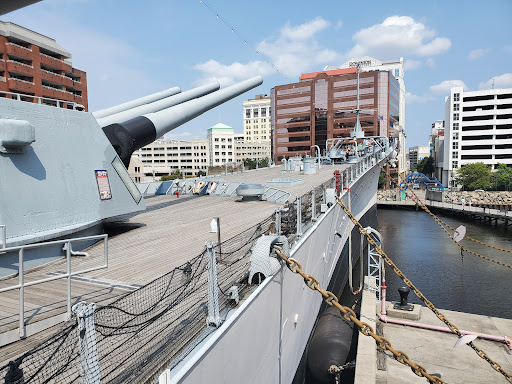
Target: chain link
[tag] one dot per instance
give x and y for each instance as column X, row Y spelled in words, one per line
column 336, row 369
column 348, row 314
column 420, row 295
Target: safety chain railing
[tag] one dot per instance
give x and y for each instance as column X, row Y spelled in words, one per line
column 497, row 367
column 444, row 225
column 349, row 315
column 336, row 370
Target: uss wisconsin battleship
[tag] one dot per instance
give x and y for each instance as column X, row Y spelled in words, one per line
column 105, row 280
column 94, row 254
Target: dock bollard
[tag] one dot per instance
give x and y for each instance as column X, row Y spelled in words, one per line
column 404, row 293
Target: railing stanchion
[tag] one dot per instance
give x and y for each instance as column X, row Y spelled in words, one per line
column 68, row 262
column 22, row 294
column 213, row 317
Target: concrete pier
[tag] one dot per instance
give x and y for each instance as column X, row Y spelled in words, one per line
column 432, row 349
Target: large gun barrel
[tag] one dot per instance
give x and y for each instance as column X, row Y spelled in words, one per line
column 137, row 102
column 158, row 105
column 143, row 130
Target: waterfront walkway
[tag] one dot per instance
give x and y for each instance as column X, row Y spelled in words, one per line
column 434, row 350
column 484, row 214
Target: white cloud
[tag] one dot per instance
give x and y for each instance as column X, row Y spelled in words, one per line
column 227, row 74
column 477, row 53
column 507, row 48
column 445, row 87
column 286, row 52
column 430, row 62
column 338, row 25
column 411, row 98
column 411, row 64
column 398, row 36
column 503, row 81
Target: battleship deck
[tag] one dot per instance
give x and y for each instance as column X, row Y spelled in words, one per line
column 168, row 234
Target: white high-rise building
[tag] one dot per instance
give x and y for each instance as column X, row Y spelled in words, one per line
column 478, row 129
column 256, row 120
column 221, row 141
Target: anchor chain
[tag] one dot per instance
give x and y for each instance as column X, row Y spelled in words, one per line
column 349, row 315
column 497, row 367
column 336, row 370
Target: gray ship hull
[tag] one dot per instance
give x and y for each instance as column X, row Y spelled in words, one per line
column 264, row 339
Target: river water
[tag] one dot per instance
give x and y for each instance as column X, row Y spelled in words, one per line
column 433, row 262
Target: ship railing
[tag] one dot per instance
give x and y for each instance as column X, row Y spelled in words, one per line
column 41, row 99
column 157, row 324
column 22, row 284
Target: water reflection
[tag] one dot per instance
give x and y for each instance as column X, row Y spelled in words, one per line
column 433, row 262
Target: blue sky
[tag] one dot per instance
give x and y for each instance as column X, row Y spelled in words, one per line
column 130, row 49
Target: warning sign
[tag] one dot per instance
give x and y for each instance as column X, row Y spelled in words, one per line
column 103, row 184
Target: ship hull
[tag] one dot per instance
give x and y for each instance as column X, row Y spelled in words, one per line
column 264, row 339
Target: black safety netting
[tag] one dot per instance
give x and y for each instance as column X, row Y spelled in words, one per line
column 152, row 328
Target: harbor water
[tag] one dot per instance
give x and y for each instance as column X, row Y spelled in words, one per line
column 433, row 262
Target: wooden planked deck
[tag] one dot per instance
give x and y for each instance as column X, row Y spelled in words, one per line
column 168, row 234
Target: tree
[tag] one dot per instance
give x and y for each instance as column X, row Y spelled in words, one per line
column 251, row 163
column 382, row 180
column 426, row 166
column 176, row 174
column 474, row 176
column 503, row 176
column 200, row 173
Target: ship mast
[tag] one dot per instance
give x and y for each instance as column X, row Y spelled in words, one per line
column 358, row 131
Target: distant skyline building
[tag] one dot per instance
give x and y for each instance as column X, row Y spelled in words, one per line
column 322, row 106
column 478, row 129
column 222, row 146
column 416, row 154
column 436, row 143
column 35, row 65
column 256, row 119
column 368, row 63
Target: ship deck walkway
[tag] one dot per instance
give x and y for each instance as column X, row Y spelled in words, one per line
column 147, row 245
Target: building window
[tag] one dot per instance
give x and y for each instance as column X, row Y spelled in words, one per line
column 217, row 146
column 455, row 107
column 455, row 155
column 223, row 140
column 229, row 140
column 255, row 113
column 247, row 113
column 455, row 135
column 263, row 112
column 216, row 139
column 456, row 96
column 455, row 145
column 455, row 126
column 455, row 116
column 216, row 153
column 455, row 164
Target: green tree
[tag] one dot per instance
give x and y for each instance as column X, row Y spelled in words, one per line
column 503, row 176
column 426, row 166
column 200, row 173
column 382, row 180
column 176, row 174
column 474, row 176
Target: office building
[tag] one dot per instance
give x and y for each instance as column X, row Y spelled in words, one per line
column 221, row 141
column 35, row 65
column 416, row 154
column 322, row 106
column 478, row 129
column 163, row 157
column 256, row 120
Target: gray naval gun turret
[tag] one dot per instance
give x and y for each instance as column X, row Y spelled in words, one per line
column 63, row 171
